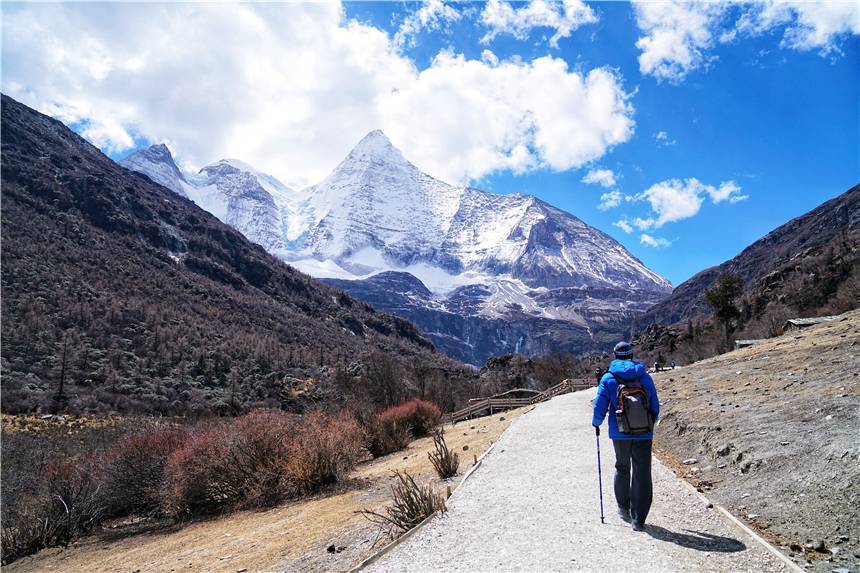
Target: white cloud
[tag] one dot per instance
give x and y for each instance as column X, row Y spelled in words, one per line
column 602, row 177
column 290, row 88
column 656, row 242
column 563, row 17
column 677, row 34
column 644, row 224
column 727, row 191
column 675, row 200
column 462, row 119
column 809, row 24
column 433, row 15
column 623, row 225
column 610, row 200
column 663, row 139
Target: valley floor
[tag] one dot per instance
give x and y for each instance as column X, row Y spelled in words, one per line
column 292, row 537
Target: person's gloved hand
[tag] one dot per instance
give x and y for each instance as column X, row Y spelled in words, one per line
column 596, row 430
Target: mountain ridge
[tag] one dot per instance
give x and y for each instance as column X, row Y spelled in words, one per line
column 120, row 295
column 377, row 212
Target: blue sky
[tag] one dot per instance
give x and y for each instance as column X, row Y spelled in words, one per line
column 722, row 121
column 783, row 124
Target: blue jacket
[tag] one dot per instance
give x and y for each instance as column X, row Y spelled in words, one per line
column 607, row 397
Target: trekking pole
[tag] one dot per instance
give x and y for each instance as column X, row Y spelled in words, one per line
column 599, row 473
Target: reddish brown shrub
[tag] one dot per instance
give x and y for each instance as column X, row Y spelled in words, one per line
column 384, row 435
column 421, row 416
column 195, row 480
column 324, row 450
column 134, row 470
column 230, row 465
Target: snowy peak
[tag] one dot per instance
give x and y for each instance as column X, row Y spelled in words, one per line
column 156, row 162
column 375, row 146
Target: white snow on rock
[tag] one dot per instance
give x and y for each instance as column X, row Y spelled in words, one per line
column 377, row 212
column 157, row 163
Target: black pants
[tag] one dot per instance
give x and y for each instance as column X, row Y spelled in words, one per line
column 633, row 492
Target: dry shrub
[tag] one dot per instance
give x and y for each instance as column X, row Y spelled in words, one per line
column 395, row 427
column 259, row 450
column 195, row 474
column 385, row 435
column 324, row 450
column 444, row 460
column 412, row 504
column 230, row 465
column 421, row 416
column 134, row 470
column 60, row 507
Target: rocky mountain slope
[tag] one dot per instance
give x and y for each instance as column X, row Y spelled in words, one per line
column 773, row 265
column 773, row 432
column 808, row 267
column 496, row 273
column 119, row 294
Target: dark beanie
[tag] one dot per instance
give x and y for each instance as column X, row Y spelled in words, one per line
column 623, row 350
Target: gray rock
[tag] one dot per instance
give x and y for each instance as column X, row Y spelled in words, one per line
column 690, row 461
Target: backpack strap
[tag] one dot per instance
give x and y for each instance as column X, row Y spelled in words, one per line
column 624, row 382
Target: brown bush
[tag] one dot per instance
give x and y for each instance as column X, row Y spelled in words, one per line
column 395, row 427
column 385, row 435
column 444, row 461
column 134, row 470
column 421, row 416
column 50, row 494
column 324, row 450
column 230, row 465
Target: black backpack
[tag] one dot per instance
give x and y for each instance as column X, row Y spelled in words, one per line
column 633, row 414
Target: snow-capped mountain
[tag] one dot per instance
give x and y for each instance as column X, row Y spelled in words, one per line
column 157, row 163
column 253, row 202
column 497, row 273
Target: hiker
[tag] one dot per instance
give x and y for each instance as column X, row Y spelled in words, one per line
column 673, row 365
column 598, row 373
column 627, row 382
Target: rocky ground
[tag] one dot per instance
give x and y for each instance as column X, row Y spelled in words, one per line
column 771, row 433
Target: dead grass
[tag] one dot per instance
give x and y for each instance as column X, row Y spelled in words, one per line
column 291, row 537
column 67, row 424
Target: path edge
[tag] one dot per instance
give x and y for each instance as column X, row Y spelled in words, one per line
column 738, row 523
column 376, row 556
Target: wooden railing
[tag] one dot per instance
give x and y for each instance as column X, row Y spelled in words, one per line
column 486, row 406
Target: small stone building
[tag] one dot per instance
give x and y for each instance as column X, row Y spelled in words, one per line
column 795, row 324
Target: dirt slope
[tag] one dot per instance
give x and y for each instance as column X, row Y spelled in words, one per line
column 774, row 429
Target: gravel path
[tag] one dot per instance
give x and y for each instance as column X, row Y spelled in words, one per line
column 533, row 506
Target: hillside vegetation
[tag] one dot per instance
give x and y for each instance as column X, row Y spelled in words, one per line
column 808, row 267
column 119, row 295
column 773, row 430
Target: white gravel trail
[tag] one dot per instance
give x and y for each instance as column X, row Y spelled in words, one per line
column 533, row 506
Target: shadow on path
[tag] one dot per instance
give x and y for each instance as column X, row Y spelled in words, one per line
column 696, row 540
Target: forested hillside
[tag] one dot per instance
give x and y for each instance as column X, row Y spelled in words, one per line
column 807, row 267
column 120, row 295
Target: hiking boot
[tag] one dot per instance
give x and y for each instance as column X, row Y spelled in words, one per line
column 624, row 514
column 638, row 526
